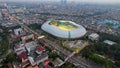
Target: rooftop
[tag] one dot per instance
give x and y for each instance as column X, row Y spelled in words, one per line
column 41, row 57
column 31, row 46
column 23, row 55
column 64, row 25
column 40, row 48
column 109, row 42
column 95, row 35
column 33, row 66
column 24, row 63
column 58, row 62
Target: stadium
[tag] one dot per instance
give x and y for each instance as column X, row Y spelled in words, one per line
column 64, row 29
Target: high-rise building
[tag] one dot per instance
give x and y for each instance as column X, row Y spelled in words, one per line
column 63, row 1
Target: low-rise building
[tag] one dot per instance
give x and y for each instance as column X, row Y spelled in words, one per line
column 109, row 42
column 23, row 55
column 25, row 38
column 18, row 31
column 39, row 50
column 36, row 66
column 41, row 58
column 94, row 37
column 24, row 63
column 30, row 46
column 37, row 60
column 58, row 62
column 10, row 65
column 20, row 51
column 31, row 60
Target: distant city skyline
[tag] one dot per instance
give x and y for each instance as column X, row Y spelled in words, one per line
column 89, row 1
column 64, row 1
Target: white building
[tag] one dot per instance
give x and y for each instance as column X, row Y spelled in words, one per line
column 27, row 37
column 109, row 42
column 30, row 46
column 32, row 62
column 94, row 37
column 18, row 31
column 19, row 50
column 37, row 60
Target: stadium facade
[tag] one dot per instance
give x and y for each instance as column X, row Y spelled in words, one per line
column 63, row 29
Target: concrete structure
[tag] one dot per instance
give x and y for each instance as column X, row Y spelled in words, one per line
column 39, row 50
column 30, row 46
column 5, row 12
column 76, row 46
column 24, row 63
column 94, row 37
column 20, row 51
column 36, row 66
column 25, row 38
column 64, row 29
column 41, row 58
column 109, row 42
column 38, row 59
column 32, row 62
column 18, row 31
column 58, row 62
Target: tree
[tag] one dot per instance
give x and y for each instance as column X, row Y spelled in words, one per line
column 87, row 52
column 103, row 61
column 10, row 57
column 117, row 64
column 4, row 66
column 117, row 55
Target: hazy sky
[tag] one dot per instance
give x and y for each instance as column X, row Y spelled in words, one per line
column 99, row 1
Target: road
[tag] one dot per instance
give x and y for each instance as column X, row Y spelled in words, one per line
column 76, row 60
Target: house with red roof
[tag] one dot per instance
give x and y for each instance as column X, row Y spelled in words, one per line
column 23, row 55
column 33, row 66
column 40, row 49
column 10, row 65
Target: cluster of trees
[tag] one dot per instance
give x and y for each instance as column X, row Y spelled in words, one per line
column 104, row 36
column 90, row 54
column 53, row 55
column 9, row 59
column 109, row 51
column 67, row 65
column 107, row 63
column 35, row 26
column 4, row 42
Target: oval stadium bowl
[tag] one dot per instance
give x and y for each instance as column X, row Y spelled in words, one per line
column 64, row 29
